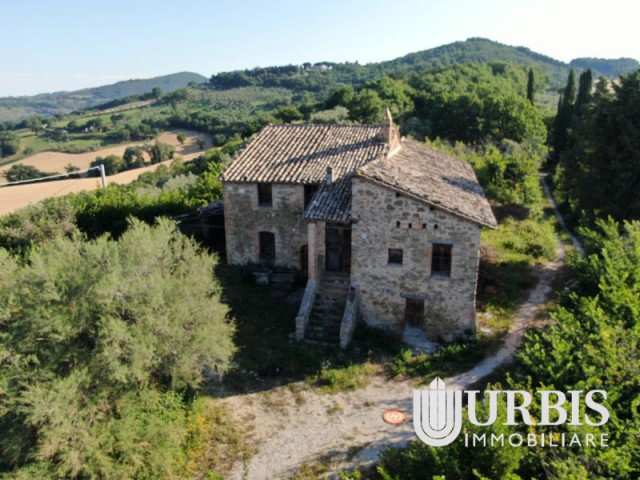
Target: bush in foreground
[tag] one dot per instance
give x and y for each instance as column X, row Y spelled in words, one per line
column 99, row 342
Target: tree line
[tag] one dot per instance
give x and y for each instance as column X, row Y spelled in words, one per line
column 596, row 145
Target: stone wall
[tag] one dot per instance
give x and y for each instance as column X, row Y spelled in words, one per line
column 243, row 219
column 384, row 219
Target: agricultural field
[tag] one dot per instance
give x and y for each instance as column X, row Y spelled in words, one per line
column 55, row 162
column 19, row 196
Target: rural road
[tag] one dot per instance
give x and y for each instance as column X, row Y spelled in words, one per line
column 294, row 425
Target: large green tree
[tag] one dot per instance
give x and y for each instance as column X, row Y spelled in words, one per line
column 133, row 157
column 366, row 107
column 98, row 339
column 161, row 152
column 563, row 120
column 9, row 143
column 599, row 173
column 474, row 104
column 531, row 86
column 20, row 172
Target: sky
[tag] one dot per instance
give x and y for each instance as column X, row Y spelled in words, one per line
column 48, row 46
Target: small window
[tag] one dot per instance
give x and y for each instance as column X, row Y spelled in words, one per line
column 395, row 256
column 414, row 312
column 267, row 247
column 265, row 195
column 397, row 224
column 309, row 192
column 441, row 260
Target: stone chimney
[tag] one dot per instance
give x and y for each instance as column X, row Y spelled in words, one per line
column 390, row 133
column 329, row 177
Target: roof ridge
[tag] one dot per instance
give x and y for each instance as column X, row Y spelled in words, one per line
column 434, row 177
column 329, row 125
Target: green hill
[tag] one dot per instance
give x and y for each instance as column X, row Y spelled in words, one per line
column 606, row 67
column 49, row 104
column 325, row 76
column 322, row 78
column 478, row 50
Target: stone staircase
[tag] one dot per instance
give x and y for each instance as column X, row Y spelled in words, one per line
column 323, row 328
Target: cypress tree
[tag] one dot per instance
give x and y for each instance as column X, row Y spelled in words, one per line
column 584, row 89
column 570, row 90
column 563, row 118
column 531, row 86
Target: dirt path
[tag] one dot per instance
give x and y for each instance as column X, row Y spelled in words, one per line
column 576, row 243
column 294, row 425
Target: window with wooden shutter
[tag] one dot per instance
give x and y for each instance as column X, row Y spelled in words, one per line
column 441, row 260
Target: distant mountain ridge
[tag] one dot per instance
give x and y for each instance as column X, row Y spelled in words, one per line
column 606, row 67
column 49, row 104
column 322, row 77
column 326, row 76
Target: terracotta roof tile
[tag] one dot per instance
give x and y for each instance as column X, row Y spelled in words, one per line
column 433, row 177
column 302, row 153
column 331, row 203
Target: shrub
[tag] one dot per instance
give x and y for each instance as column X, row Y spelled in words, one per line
column 38, row 223
column 531, row 238
column 99, row 339
column 20, row 172
column 353, row 377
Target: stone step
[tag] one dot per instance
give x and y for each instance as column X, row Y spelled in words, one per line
column 322, row 315
column 333, row 300
column 322, row 327
column 332, row 296
column 336, row 275
column 322, row 344
column 329, row 307
column 323, row 332
column 325, row 323
column 334, row 285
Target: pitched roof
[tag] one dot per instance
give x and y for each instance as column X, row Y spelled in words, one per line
column 433, row 177
column 331, row 203
column 302, row 153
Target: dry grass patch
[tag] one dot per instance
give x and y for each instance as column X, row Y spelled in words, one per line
column 214, row 441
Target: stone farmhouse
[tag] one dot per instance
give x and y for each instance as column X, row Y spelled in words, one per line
column 384, row 229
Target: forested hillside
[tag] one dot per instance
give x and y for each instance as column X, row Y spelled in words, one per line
column 50, row 104
column 324, row 75
column 606, row 67
column 319, row 78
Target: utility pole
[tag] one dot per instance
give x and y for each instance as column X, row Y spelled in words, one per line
column 103, row 175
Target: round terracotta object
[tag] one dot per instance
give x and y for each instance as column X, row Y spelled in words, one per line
column 394, row 416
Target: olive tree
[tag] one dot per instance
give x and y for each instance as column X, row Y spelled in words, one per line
column 98, row 342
